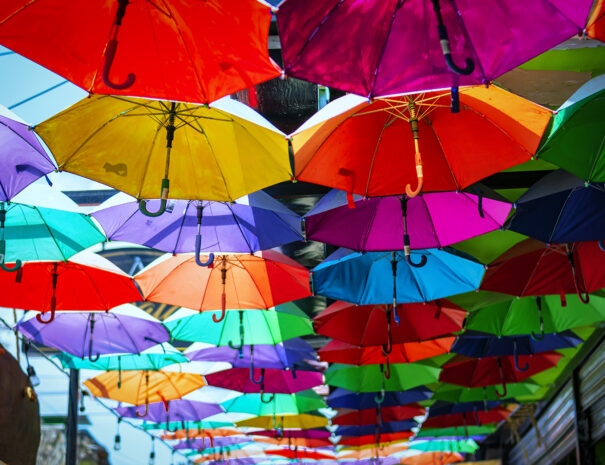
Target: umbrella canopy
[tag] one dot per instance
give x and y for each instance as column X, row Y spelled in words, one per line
column 343, row 398
column 465, row 446
column 560, row 208
column 241, row 327
column 303, row 421
column 372, row 416
column 146, row 49
column 576, row 129
column 155, row 358
column 368, row 147
column 193, row 429
column 487, row 247
column 125, row 329
column 295, row 442
column 272, row 381
column 535, row 315
column 371, row 378
column 490, row 371
column 453, row 393
column 378, row 224
column 23, row 158
column 86, row 282
column 236, row 281
column 390, row 277
column 596, row 24
column 144, row 387
column 461, row 44
column 280, row 404
column 294, row 434
column 175, row 410
column 253, row 222
column 204, row 443
column 299, row 454
column 478, row 417
column 373, row 325
column 129, row 152
column 392, row 427
column 284, row 355
column 370, row 439
column 440, row 408
column 337, row 351
column 432, row 458
column 534, row 268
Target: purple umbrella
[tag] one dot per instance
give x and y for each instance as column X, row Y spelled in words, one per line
column 172, row 411
column 280, row 356
column 377, row 224
column 124, row 329
column 23, row 158
column 254, row 222
column 385, row 47
column 206, row 443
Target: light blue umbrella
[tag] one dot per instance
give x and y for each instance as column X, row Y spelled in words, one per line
column 388, row 277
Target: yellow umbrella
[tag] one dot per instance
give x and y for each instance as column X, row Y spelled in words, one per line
column 302, row 421
column 150, row 148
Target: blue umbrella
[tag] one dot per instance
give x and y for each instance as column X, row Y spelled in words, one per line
column 390, row 277
column 343, row 398
column 561, row 208
column 476, row 344
column 440, row 407
column 385, row 428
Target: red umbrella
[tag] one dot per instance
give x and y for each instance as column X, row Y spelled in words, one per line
column 489, row 371
column 337, row 351
column 372, row 415
column 356, row 441
column 299, row 454
column 481, row 417
column 86, row 282
column 534, row 268
column 375, row 325
column 172, row 50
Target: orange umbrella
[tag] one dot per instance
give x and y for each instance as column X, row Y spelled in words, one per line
column 596, row 23
column 432, row 458
column 234, row 281
column 140, row 387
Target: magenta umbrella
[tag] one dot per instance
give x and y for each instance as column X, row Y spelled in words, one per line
column 381, row 223
column 384, row 47
column 273, row 381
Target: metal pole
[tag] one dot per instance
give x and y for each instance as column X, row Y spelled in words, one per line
column 584, row 452
column 72, row 418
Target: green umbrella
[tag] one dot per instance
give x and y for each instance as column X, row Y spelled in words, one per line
column 455, row 431
column 280, row 404
column 487, row 247
column 477, row 300
column 39, row 233
column 528, row 389
column 466, row 446
column 189, row 425
column 529, row 315
column 575, row 141
column 240, row 327
column 373, row 378
column 151, row 359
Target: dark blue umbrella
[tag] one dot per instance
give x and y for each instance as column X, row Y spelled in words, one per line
column 385, row 428
column 561, row 208
column 448, row 408
column 343, row 398
column 476, row 344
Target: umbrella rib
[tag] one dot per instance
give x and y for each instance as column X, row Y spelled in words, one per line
column 267, row 262
column 468, row 39
column 26, row 141
column 447, row 162
column 560, row 215
column 178, row 237
column 426, row 209
column 486, row 213
column 384, row 126
column 37, row 210
column 240, row 227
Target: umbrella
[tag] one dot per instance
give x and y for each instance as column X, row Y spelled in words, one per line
column 144, row 387
column 391, row 427
column 560, row 208
column 477, row 417
column 125, row 329
column 284, row 355
column 280, row 404
column 146, row 49
column 487, row 247
column 373, row 378
column 129, row 153
column 236, row 281
column 265, row 380
column 373, row 325
column 431, row 458
column 303, row 421
column 372, row 416
column 241, row 327
column 411, row 46
column 447, row 408
column 534, row 268
column 476, row 344
column 36, row 233
column 293, row 434
column 193, row 429
column 299, row 454
column 253, row 222
column 370, row 439
column 86, row 282
column 576, row 130
column 452, row 393
column 203, row 443
column 390, row 277
column 343, row 398
column 382, row 223
column 337, row 351
column 596, row 24
column 489, row 371
column 372, row 453
column 465, row 446
column 536, row 315
column 373, row 148
column 173, row 410
column 23, row 158
column 295, row 442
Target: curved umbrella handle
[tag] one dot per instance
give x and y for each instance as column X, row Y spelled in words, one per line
column 266, row 401
column 380, row 400
column 420, row 264
column 234, row 347
column 388, row 347
column 387, row 369
column 534, row 335
column 503, row 393
column 582, row 294
column 18, row 263
column 163, row 201
column 219, row 319
column 110, row 54
column 601, row 245
column 419, row 174
column 15, row 267
column 92, row 329
column 198, row 248
column 260, row 380
column 145, row 412
column 53, row 306
column 501, row 370
column 469, row 64
column 241, row 334
column 516, row 356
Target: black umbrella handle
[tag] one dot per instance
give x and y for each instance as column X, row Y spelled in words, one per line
column 469, row 64
column 535, row 336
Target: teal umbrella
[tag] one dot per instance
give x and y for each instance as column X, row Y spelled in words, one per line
column 280, row 404
column 466, row 446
